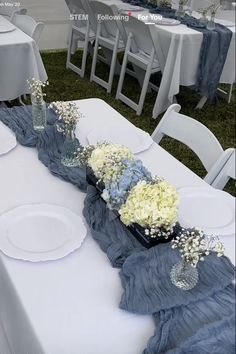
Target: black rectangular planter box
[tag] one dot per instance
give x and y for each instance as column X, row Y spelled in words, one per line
column 136, row 230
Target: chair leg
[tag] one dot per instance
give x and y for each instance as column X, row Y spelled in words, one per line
column 86, row 39
column 230, row 92
column 144, row 89
column 85, row 53
column 201, row 103
column 95, row 53
column 69, row 49
column 123, row 71
column 113, row 64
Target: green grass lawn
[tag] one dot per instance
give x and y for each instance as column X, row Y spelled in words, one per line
column 218, row 117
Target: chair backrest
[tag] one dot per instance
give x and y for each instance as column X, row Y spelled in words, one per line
column 21, row 11
column 28, row 25
column 9, row 11
column 104, row 14
column 191, row 133
column 140, row 34
column 76, row 9
column 92, row 18
column 223, row 175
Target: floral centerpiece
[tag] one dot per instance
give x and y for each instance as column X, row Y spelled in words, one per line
column 153, row 205
column 68, row 116
column 147, row 205
column 39, row 112
column 194, row 246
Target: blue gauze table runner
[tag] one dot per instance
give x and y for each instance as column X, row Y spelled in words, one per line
column 199, row 321
column 214, row 48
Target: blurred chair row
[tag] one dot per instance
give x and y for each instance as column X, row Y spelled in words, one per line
column 19, row 18
column 115, row 35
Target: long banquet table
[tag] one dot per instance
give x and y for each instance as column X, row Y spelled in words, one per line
column 180, row 47
column 19, row 60
column 70, row 306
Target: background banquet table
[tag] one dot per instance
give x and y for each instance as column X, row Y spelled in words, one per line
column 179, row 58
column 70, row 306
column 19, row 60
column 180, row 47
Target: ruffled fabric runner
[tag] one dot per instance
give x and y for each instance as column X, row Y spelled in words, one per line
column 214, row 48
column 48, row 143
column 205, row 326
column 199, row 321
column 148, row 273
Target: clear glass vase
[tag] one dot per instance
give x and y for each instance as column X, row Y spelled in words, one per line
column 184, row 275
column 70, row 149
column 211, row 23
column 203, row 20
column 180, row 11
column 39, row 113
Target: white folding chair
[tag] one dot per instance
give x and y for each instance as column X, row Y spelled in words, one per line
column 28, row 25
column 222, row 175
column 193, row 134
column 80, row 30
column 140, row 52
column 8, row 11
column 107, row 37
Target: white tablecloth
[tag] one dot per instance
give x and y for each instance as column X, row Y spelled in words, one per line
column 19, row 60
column 179, row 59
column 70, row 306
column 180, row 46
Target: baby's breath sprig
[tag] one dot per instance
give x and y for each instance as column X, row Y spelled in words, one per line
column 36, row 88
column 194, row 245
column 214, row 7
column 85, row 154
column 68, row 114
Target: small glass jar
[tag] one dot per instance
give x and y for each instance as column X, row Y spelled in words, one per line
column 211, row 23
column 39, row 113
column 203, row 20
column 180, row 11
column 70, row 148
column 184, row 275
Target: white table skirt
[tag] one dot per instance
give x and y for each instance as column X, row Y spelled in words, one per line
column 19, row 60
column 181, row 47
column 70, row 306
